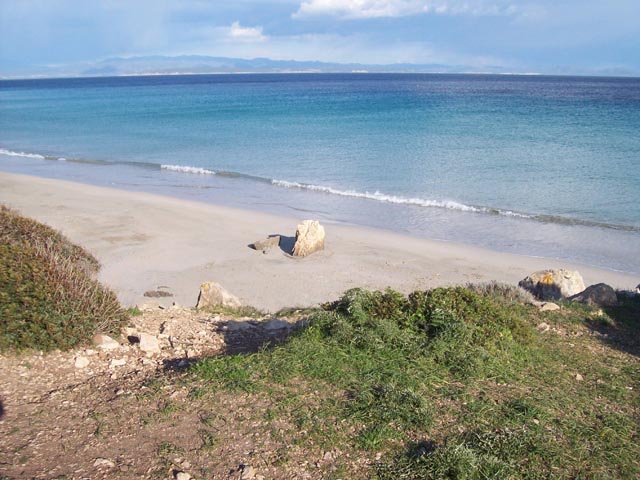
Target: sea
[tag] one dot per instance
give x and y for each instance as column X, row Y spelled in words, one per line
column 533, row 165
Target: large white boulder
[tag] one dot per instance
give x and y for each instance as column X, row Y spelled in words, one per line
column 309, row 238
column 553, row 284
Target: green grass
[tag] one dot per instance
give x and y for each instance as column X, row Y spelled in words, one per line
column 49, row 298
column 453, row 383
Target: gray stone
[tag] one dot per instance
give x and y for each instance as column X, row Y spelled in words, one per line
column 105, row 342
column 553, row 284
column 600, row 294
column 267, row 243
column 149, row 343
column 309, row 238
column 183, row 476
column 212, row 294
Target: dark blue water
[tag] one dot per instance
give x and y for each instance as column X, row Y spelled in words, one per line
column 534, row 165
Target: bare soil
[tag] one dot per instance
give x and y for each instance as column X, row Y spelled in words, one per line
column 129, row 414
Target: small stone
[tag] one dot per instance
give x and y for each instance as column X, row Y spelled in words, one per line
column 81, row 362
column 103, row 462
column 183, row 476
column 549, row 307
column 543, row 327
column 89, row 352
column 120, row 392
column 117, row 362
column 579, row 377
column 149, row 343
column 248, row 472
column 105, row 342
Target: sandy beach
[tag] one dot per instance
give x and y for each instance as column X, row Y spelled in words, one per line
column 145, row 241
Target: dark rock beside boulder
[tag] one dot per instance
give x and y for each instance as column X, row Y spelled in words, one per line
column 601, row 294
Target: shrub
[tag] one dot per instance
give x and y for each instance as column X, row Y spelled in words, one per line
column 49, row 297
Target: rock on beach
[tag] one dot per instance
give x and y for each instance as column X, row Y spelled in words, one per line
column 553, row 284
column 309, row 238
column 213, row 294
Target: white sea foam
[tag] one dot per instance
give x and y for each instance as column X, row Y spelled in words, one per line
column 187, row 169
column 11, row 153
column 382, row 197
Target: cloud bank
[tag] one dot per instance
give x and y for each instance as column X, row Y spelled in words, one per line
column 354, row 9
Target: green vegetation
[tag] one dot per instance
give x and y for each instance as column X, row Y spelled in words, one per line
column 450, row 383
column 49, row 298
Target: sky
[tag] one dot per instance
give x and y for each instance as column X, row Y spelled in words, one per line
column 516, row 35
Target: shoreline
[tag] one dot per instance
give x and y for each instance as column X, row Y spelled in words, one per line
column 145, row 240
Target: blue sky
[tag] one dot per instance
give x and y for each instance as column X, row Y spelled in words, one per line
column 518, row 35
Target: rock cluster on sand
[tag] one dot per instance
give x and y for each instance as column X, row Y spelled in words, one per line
column 213, row 294
column 309, row 238
column 553, row 284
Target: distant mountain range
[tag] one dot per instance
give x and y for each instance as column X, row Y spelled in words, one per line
column 199, row 64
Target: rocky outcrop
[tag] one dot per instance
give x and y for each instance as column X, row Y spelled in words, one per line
column 266, row 244
column 309, row 238
column 600, row 294
column 213, row 294
column 553, row 284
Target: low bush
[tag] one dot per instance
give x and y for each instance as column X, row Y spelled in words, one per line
column 49, row 298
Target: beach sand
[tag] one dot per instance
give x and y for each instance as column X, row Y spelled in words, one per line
column 146, row 241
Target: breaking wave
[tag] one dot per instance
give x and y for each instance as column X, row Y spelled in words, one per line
column 383, row 197
column 11, row 153
column 187, row 169
column 374, row 196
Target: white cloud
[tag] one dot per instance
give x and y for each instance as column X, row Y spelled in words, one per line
column 400, row 8
column 238, row 33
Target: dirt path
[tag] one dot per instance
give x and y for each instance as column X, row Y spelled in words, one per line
column 123, row 412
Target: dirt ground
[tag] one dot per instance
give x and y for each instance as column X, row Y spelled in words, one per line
column 118, row 411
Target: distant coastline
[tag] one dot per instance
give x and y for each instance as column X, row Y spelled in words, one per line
column 205, row 65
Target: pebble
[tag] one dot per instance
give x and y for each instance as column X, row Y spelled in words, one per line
column 81, row 362
column 183, row 476
column 103, row 462
column 248, row 472
column 117, row 362
column 149, row 343
column 579, row 377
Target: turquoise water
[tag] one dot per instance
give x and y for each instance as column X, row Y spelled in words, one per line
column 533, row 165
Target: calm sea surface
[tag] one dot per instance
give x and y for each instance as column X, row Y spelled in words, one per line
column 546, row 166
